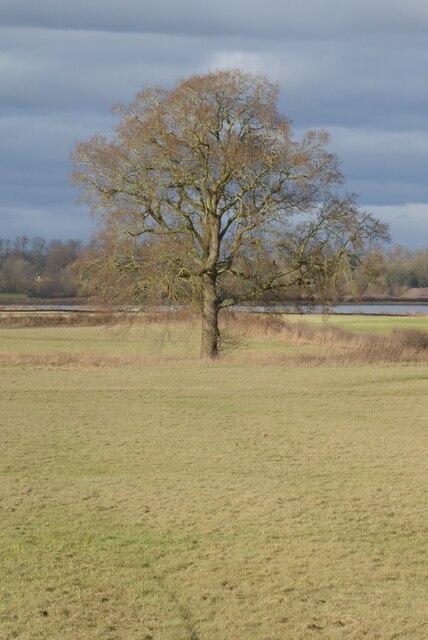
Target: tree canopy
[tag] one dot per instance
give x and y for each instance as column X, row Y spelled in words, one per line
column 204, row 194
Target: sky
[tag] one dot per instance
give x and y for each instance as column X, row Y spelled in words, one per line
column 357, row 69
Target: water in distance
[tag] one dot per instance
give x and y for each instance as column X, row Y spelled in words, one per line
column 365, row 309
column 368, row 309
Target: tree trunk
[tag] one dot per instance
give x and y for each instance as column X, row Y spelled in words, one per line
column 210, row 309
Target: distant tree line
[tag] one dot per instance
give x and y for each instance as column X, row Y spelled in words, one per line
column 390, row 271
column 49, row 269
column 405, row 268
column 38, row 267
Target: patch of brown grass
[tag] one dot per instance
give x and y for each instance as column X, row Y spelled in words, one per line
column 248, row 323
column 93, row 318
column 66, row 358
column 59, row 319
column 405, row 345
column 340, row 345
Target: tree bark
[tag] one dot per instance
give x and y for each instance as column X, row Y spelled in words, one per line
column 210, row 309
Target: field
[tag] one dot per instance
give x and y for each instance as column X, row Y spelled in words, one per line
column 256, row 498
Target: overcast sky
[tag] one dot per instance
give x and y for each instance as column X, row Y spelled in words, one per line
column 358, row 69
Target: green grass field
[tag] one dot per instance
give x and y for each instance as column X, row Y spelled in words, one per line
column 378, row 324
column 12, row 296
column 183, row 500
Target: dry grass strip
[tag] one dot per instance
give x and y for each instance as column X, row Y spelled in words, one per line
column 338, row 347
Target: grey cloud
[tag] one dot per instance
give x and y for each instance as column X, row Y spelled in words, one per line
column 358, row 69
column 50, row 222
column 380, row 191
column 273, row 18
column 75, row 70
column 36, row 195
column 408, row 223
column 384, row 167
column 322, row 84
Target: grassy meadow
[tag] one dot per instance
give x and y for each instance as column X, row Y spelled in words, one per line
column 279, row 493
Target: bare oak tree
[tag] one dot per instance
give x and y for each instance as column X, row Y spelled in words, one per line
column 203, row 193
